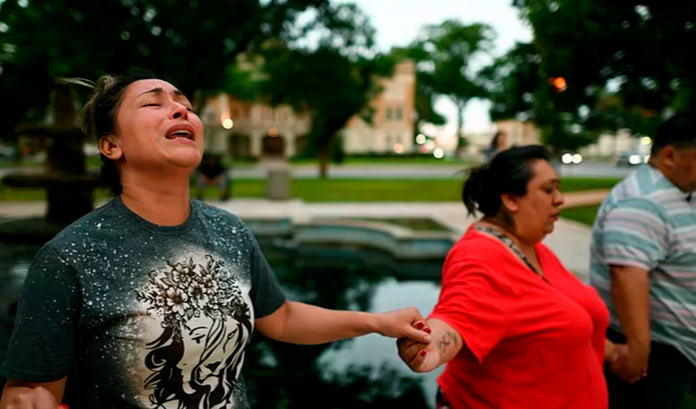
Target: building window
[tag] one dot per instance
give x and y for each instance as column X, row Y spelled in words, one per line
column 389, row 114
column 399, row 114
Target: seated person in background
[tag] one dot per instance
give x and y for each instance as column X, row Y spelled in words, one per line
column 213, row 173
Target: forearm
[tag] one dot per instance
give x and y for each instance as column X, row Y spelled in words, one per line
column 447, row 342
column 310, row 325
column 41, row 395
column 10, row 393
column 630, row 292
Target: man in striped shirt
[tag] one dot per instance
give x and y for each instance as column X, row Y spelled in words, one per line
column 643, row 264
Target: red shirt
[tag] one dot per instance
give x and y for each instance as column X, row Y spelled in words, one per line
column 528, row 344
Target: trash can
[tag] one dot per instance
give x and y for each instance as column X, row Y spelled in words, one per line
column 278, row 184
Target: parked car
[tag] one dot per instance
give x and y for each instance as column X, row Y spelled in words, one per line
column 571, row 158
column 631, row 158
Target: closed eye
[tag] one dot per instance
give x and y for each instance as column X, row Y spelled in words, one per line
column 152, row 105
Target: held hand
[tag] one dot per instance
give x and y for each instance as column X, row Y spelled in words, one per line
column 609, row 351
column 628, row 363
column 418, row 356
column 404, row 323
column 37, row 398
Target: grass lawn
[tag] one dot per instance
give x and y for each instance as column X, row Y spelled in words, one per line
column 582, row 214
column 391, row 160
column 343, row 190
column 352, row 190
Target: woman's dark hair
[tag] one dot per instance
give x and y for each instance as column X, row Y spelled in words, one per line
column 98, row 116
column 509, row 172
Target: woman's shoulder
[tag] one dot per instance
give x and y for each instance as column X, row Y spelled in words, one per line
column 474, row 245
column 479, row 250
column 102, row 219
column 213, row 214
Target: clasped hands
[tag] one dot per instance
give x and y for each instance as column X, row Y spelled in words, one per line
column 627, row 361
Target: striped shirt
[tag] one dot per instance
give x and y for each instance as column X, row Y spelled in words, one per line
column 647, row 222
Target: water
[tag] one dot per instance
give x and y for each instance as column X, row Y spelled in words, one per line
column 365, row 372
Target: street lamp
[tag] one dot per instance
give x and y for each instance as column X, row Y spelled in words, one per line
column 559, row 84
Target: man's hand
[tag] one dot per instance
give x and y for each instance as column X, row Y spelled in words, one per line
column 403, row 323
column 629, row 363
column 419, row 357
column 609, row 351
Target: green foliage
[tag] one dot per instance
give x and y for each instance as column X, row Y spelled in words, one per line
column 334, row 81
column 189, row 41
column 624, row 63
column 444, row 55
column 511, row 82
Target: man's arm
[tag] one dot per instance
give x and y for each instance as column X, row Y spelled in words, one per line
column 636, row 238
column 630, row 293
column 24, row 395
column 299, row 323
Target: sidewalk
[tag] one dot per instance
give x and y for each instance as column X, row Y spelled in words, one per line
column 570, row 241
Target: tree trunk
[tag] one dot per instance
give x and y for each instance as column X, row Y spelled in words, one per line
column 461, row 145
column 323, row 157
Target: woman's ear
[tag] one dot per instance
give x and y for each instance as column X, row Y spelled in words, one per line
column 510, row 202
column 109, row 147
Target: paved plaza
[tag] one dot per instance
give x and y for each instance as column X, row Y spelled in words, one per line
column 570, row 241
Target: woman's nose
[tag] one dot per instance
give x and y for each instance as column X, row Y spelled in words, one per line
column 180, row 111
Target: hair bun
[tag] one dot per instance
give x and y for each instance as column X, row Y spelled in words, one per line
column 475, row 187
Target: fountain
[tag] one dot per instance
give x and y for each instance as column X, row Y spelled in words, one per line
column 69, row 187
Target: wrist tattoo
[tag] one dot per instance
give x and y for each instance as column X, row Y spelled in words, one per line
column 446, row 340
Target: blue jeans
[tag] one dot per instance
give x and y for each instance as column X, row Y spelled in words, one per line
column 670, row 375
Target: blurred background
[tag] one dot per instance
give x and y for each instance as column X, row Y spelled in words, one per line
column 333, row 103
column 329, row 81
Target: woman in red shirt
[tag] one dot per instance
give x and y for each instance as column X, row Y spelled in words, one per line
column 516, row 329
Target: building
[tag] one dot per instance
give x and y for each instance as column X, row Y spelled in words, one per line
column 519, row 133
column 611, row 145
column 393, row 124
column 255, row 129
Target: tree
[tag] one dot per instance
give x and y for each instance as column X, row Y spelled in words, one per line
column 511, row 82
column 333, row 81
column 630, row 51
column 444, row 54
column 519, row 88
column 191, row 41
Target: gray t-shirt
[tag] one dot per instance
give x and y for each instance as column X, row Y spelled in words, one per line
column 143, row 316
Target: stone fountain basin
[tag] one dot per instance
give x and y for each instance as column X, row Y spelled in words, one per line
column 399, row 242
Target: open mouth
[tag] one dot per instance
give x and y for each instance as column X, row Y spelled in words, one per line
column 180, row 134
column 181, row 131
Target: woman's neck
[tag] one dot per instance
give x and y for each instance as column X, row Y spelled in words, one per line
column 162, row 203
column 523, row 244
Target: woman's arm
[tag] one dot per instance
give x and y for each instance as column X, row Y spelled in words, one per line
column 24, row 395
column 447, row 343
column 299, row 323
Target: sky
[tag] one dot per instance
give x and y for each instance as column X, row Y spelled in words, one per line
column 398, row 22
